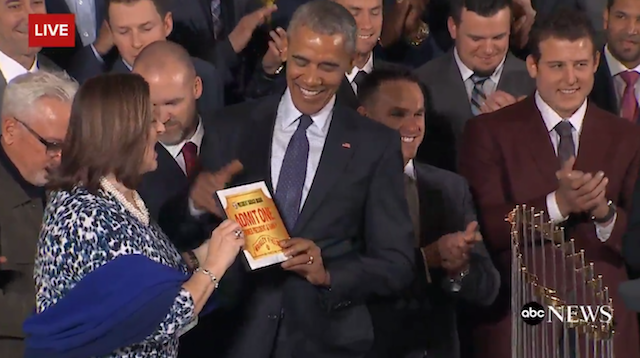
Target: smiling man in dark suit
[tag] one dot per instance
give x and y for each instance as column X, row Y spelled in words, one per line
column 337, row 180
column 134, row 24
column 453, row 263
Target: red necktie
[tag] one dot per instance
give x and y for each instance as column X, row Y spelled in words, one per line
column 629, row 106
column 190, row 154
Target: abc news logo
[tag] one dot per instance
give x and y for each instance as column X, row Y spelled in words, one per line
column 534, row 313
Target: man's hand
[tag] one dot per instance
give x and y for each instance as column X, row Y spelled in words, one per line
column 454, row 248
column 580, row 192
column 524, row 16
column 305, row 259
column 243, row 31
column 104, row 41
column 273, row 59
column 206, row 185
column 496, row 101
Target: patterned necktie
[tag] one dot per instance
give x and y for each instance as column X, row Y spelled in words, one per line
column 411, row 191
column 359, row 78
column 477, row 94
column 629, row 104
column 288, row 194
column 566, row 147
column 215, row 16
column 190, row 153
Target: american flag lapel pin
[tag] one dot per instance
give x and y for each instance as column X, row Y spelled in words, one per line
column 346, row 145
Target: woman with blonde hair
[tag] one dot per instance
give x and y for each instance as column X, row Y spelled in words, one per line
column 108, row 281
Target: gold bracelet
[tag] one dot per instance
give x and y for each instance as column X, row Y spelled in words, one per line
column 423, row 33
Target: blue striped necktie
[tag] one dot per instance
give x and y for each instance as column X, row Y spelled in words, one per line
column 477, row 93
column 215, row 15
column 288, row 196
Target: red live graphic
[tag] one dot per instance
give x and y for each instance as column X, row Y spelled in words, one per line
column 52, row 30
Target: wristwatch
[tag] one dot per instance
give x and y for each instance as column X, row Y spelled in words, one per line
column 456, row 282
column 605, row 219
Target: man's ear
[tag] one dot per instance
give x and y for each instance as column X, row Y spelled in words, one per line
column 362, row 111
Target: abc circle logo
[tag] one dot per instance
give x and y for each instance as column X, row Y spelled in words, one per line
column 532, row 313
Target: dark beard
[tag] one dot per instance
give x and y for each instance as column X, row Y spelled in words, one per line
column 481, row 73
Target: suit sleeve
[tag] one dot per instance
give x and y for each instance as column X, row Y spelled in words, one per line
column 386, row 265
column 15, row 303
column 626, row 230
column 481, row 163
column 85, row 65
column 212, row 98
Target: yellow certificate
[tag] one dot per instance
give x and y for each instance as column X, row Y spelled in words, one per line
column 252, row 207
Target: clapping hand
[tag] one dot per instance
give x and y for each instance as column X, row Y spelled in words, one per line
column 454, row 248
column 580, row 192
column 305, row 259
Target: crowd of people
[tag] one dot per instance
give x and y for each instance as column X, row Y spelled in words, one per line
column 394, row 136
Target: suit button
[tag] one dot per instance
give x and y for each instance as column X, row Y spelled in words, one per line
column 272, row 316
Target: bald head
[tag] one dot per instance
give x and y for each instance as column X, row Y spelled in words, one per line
column 175, row 87
column 165, row 57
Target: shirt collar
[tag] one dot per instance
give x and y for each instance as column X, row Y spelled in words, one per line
column 196, row 138
column 289, row 114
column 615, row 66
column 410, row 170
column 551, row 118
column 368, row 67
column 11, row 69
column 127, row 65
column 466, row 72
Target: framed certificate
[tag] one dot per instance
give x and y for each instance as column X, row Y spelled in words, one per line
column 252, row 206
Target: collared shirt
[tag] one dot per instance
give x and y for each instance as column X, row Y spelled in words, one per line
column 368, row 67
column 616, row 67
column 11, row 68
column 410, row 170
column 285, row 125
column 551, row 119
column 489, row 86
column 86, row 25
column 176, row 149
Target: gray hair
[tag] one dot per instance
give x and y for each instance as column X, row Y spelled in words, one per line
column 326, row 18
column 24, row 91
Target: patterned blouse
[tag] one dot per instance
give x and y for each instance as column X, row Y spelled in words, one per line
column 82, row 232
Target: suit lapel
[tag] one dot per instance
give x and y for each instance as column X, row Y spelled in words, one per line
column 535, row 136
column 120, row 67
column 168, row 168
column 604, row 93
column 346, row 96
column 594, row 142
column 510, row 80
column 432, row 208
column 456, row 92
column 334, row 159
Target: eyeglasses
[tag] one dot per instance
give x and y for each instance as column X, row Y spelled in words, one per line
column 52, row 148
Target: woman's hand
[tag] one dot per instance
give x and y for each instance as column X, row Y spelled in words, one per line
column 223, row 247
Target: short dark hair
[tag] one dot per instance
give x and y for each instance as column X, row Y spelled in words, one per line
column 109, row 128
column 610, row 3
column 484, row 8
column 162, row 6
column 563, row 24
column 371, row 84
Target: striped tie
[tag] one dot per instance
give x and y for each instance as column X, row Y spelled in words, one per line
column 477, row 94
column 215, row 14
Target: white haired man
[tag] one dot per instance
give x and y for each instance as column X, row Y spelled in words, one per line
column 35, row 116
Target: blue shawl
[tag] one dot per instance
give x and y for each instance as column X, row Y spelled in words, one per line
column 117, row 305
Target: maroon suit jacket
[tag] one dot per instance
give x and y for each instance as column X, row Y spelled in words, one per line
column 508, row 159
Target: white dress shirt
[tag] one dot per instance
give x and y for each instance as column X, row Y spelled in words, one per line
column 615, row 67
column 11, row 69
column 489, row 86
column 285, row 126
column 410, row 170
column 176, row 149
column 551, row 119
column 368, row 67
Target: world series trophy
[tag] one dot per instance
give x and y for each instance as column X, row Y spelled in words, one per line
column 548, row 269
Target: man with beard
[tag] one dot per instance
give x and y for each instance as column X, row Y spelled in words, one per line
column 35, row 117
column 478, row 75
column 558, row 153
column 175, row 88
column 336, row 178
column 368, row 16
column 616, row 84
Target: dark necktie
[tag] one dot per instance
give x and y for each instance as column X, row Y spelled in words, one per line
column 629, row 103
column 215, row 16
column 190, row 153
column 411, row 191
column 359, row 78
column 288, row 194
column 566, row 147
column 477, row 94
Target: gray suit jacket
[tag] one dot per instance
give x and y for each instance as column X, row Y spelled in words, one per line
column 449, row 107
column 425, row 319
column 43, row 62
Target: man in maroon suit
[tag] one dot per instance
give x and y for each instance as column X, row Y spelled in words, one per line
column 558, row 153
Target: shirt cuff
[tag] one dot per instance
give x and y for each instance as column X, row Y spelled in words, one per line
column 193, row 211
column 96, row 54
column 603, row 232
column 554, row 211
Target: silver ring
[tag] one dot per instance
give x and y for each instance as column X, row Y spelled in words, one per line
column 310, row 262
column 238, row 233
